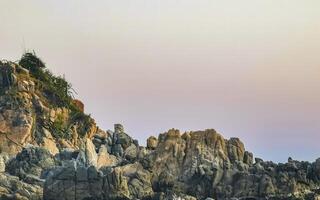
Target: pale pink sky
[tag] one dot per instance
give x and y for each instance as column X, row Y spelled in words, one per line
column 249, row 69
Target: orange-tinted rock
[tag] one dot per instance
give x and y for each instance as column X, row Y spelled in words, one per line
column 79, row 104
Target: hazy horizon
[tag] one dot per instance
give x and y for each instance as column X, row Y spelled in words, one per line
column 249, row 69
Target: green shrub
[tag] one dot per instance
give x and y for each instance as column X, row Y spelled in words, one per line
column 58, row 91
column 31, row 62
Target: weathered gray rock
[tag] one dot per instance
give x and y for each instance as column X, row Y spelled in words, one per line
column 152, row 142
column 235, row 149
column 12, row 188
column 131, row 152
column 248, row 158
column 82, row 182
column 73, row 182
column 105, row 159
column 30, row 164
column 91, row 154
column 117, row 150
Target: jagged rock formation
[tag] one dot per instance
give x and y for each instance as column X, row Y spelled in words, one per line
column 50, row 149
column 192, row 165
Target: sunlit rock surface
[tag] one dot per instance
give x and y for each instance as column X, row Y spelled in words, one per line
column 50, row 149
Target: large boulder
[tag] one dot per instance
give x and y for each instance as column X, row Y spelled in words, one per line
column 121, row 137
column 73, row 181
column 105, row 159
column 152, row 142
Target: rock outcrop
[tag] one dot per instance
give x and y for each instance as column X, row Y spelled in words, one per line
column 192, row 165
column 50, row 149
column 33, row 111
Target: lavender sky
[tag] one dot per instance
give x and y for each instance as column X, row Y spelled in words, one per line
column 249, row 69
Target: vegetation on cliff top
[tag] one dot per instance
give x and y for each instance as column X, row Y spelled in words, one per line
column 54, row 91
column 56, row 88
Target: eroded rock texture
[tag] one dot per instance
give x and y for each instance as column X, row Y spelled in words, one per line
column 50, row 149
column 192, row 165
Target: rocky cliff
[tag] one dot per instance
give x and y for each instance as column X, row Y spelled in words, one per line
column 50, row 149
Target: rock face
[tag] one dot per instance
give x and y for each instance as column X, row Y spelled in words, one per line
column 194, row 162
column 30, row 164
column 75, row 181
column 35, row 111
column 192, row 165
column 50, row 149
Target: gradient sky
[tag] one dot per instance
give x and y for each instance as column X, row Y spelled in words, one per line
column 249, row 69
